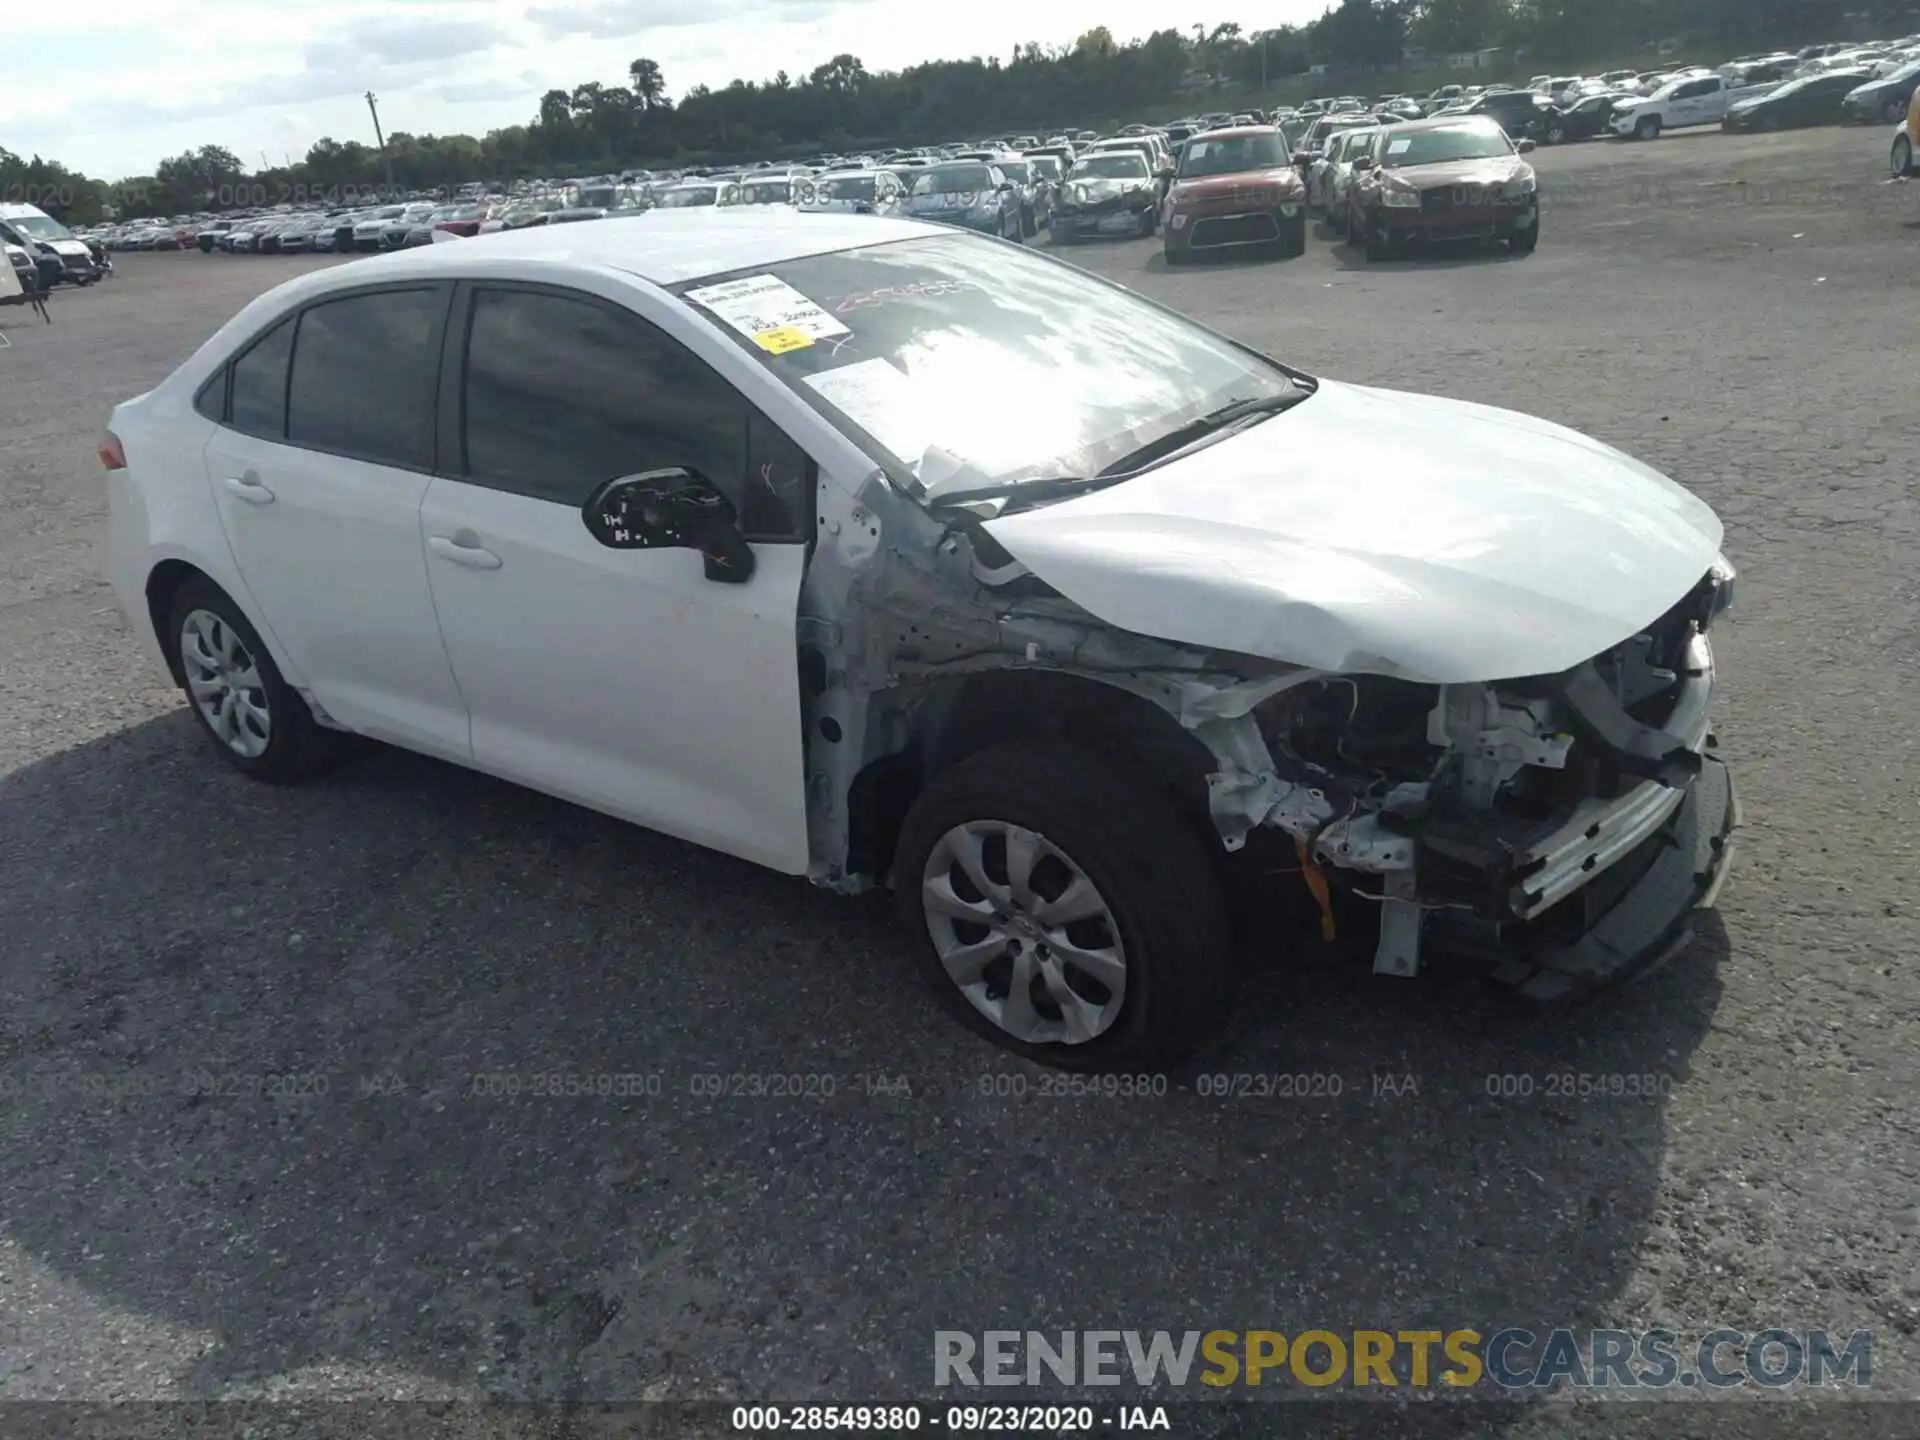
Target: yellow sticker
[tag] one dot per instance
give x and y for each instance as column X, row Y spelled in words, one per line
column 782, row 338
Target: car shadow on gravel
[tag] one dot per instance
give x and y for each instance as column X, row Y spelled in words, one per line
column 401, row 1080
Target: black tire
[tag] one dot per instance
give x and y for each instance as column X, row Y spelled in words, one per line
column 297, row 746
column 1149, row 224
column 1901, row 159
column 1148, row 862
column 1293, row 237
column 1368, row 239
column 1525, row 242
column 1648, row 128
column 1029, row 227
column 1556, row 134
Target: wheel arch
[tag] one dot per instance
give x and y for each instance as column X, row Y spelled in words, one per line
column 960, row 717
column 163, row 583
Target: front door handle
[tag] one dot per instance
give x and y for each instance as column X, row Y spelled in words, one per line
column 249, row 488
column 464, row 548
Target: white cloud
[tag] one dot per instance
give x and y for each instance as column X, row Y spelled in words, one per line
column 113, row 87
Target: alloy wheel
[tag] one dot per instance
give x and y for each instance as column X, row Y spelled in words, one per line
column 224, row 681
column 1024, row 933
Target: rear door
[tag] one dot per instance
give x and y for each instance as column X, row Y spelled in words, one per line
column 624, row 680
column 324, row 453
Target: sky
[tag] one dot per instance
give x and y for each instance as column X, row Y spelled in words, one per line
column 112, row 87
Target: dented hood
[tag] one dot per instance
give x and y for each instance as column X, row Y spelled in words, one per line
column 1373, row 531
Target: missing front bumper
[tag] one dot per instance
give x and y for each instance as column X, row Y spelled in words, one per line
column 1634, row 919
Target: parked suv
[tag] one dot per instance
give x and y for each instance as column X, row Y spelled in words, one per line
column 1235, row 189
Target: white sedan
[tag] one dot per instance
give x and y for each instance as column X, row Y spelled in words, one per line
column 884, row 554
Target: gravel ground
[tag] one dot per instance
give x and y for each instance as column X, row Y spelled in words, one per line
column 1735, row 311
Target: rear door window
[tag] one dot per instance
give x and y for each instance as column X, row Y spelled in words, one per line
column 258, row 405
column 365, row 374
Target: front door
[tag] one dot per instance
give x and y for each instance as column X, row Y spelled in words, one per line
column 624, row 680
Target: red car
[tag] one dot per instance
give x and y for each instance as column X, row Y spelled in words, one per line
column 465, row 219
column 1235, row 189
column 1459, row 178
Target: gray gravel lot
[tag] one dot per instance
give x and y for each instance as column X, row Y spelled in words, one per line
column 1737, row 311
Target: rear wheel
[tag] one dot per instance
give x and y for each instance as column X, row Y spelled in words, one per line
column 1064, row 908
column 256, row 721
column 1901, row 160
column 1893, row 112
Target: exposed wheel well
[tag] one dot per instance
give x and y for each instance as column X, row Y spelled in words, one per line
column 962, row 717
column 162, row 585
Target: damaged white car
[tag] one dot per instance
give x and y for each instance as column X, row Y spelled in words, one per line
column 887, row 555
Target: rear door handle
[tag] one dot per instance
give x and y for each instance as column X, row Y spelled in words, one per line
column 249, row 488
column 464, row 548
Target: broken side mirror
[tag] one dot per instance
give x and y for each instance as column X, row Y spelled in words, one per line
column 671, row 509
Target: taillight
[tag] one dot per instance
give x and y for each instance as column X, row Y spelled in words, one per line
column 112, row 455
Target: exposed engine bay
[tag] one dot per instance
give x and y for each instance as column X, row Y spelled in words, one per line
column 1462, row 815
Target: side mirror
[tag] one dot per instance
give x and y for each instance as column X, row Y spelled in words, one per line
column 1004, row 186
column 671, row 509
column 1363, row 164
column 1526, row 147
column 1303, row 157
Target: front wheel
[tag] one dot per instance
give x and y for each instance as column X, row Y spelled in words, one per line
column 1293, row 237
column 1647, row 129
column 1028, row 225
column 1556, row 134
column 1149, row 222
column 1524, row 242
column 1066, row 909
column 1901, row 161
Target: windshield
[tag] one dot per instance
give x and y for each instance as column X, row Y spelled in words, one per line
column 845, row 187
column 1227, row 154
column 1113, row 165
column 692, row 195
column 926, row 337
column 1047, row 167
column 953, row 180
column 40, row 227
column 766, row 192
column 1455, row 142
column 1016, row 171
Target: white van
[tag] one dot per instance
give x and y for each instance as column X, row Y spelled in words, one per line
column 37, row 232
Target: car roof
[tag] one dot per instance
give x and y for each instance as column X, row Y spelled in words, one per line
column 1233, row 132
column 665, row 247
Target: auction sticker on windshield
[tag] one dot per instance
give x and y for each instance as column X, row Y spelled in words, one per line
column 1399, row 147
column 770, row 312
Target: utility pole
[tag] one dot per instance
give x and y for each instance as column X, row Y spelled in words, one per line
column 386, row 160
column 1263, row 67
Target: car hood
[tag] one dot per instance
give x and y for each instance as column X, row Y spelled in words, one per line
column 1276, row 178
column 68, row 247
column 1373, row 531
column 1495, row 170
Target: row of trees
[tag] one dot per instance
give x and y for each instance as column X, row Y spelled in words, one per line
column 840, row 104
